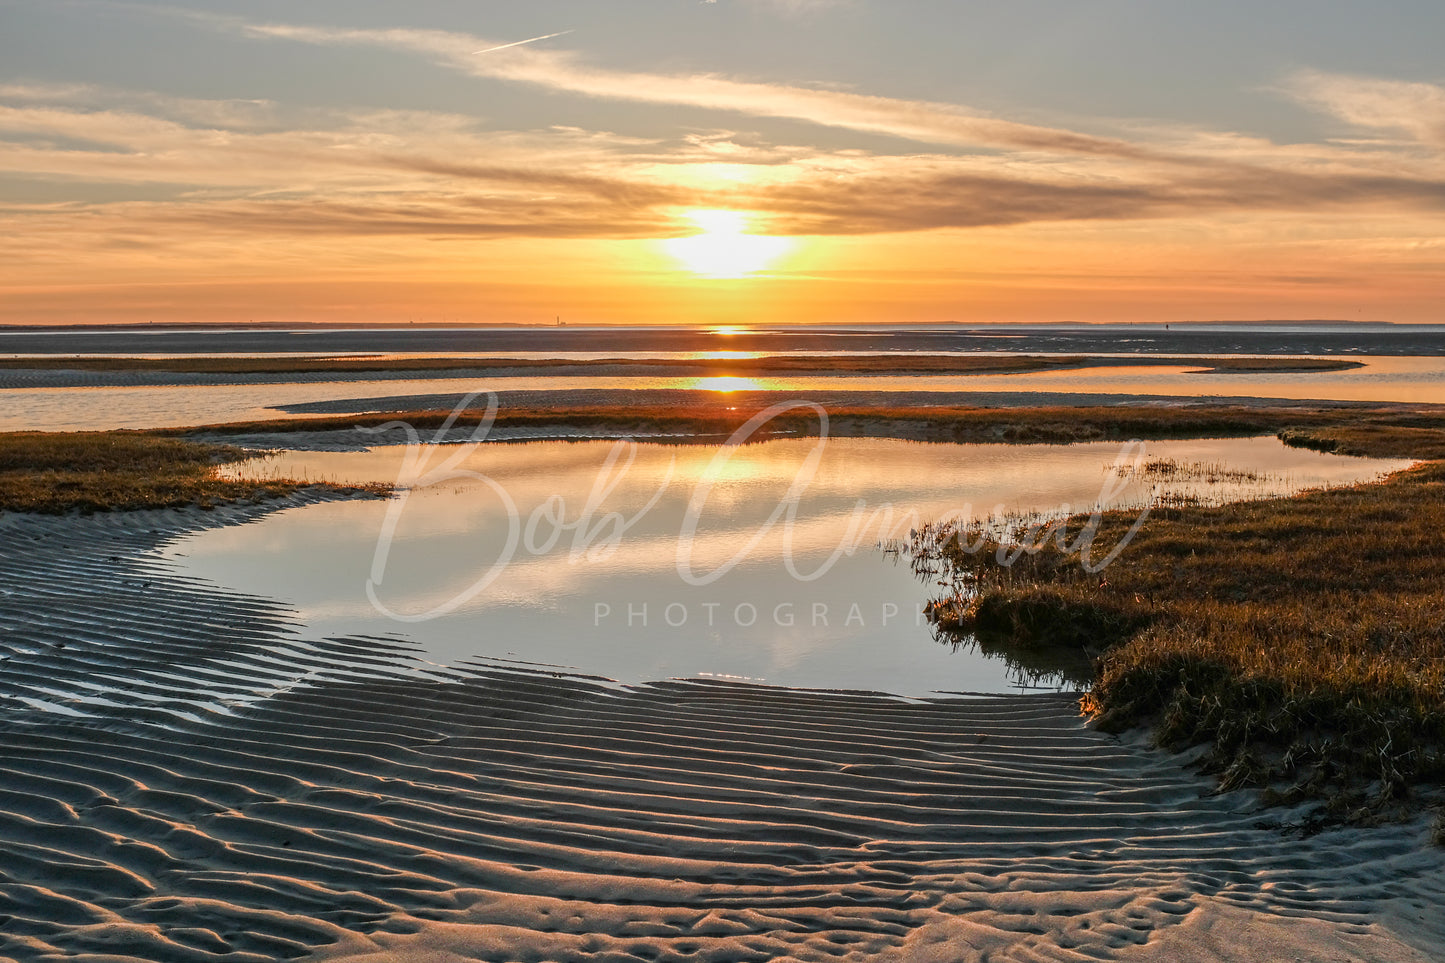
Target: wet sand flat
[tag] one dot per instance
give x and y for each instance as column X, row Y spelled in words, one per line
column 186, row 774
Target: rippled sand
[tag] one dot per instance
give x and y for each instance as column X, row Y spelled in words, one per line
column 185, row 774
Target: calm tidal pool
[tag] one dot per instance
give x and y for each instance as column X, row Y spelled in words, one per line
column 642, row 562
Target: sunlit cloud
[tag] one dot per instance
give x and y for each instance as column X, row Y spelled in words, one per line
column 565, row 71
column 236, row 168
column 1414, row 109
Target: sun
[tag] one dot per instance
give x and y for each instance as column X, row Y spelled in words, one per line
column 724, row 249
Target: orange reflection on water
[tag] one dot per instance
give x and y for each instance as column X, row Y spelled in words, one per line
column 722, row 355
column 727, row 384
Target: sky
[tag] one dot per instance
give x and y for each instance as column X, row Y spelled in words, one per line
column 721, row 162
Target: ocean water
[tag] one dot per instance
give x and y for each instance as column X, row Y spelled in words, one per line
column 1414, row 380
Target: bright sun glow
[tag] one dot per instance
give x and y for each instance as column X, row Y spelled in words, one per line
column 724, row 249
column 726, row 384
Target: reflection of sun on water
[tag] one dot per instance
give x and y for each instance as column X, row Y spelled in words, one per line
column 722, row 355
column 724, row 249
column 725, row 384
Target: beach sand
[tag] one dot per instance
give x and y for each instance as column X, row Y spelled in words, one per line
column 186, row 774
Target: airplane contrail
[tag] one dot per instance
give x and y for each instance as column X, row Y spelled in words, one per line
column 520, row 42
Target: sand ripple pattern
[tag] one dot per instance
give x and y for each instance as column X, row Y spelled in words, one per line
column 186, row 775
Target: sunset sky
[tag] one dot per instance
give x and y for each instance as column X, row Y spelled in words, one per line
column 725, row 161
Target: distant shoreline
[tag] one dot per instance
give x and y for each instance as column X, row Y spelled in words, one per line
column 1212, row 340
column 452, row 325
column 62, row 371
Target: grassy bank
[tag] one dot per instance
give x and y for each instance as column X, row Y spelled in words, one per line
column 55, row 473
column 1275, row 365
column 1031, row 425
column 1301, row 639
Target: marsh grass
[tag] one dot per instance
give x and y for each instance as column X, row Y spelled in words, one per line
column 1399, row 437
column 1274, row 365
column 1302, row 639
column 1023, row 425
column 56, row 473
column 1209, row 473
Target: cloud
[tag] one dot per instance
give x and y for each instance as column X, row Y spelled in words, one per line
column 921, row 121
column 404, row 174
column 1415, row 109
column 227, row 167
column 945, row 198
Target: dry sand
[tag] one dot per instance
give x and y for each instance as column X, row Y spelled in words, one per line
column 185, row 774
